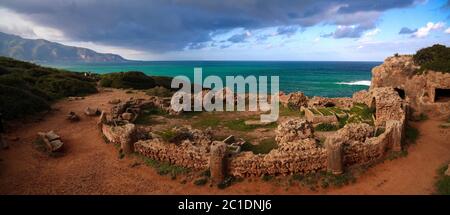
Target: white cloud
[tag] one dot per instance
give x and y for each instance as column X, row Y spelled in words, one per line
column 424, row 31
column 372, row 32
column 447, row 31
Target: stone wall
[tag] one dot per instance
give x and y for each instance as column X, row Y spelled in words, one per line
column 186, row 154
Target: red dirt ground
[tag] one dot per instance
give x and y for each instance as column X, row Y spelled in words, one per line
column 90, row 166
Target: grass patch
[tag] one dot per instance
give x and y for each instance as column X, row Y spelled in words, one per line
column 201, row 181
column 443, row 181
column 314, row 111
column 159, row 91
column 325, row 111
column 239, row 125
column 395, row 155
column 361, row 113
column 326, row 127
column 411, row 134
column 287, row 111
column 264, row 147
column 206, row 121
column 342, row 121
column 324, row 179
column 164, row 168
column 146, row 116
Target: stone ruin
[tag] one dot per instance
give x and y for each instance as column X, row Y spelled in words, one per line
column 299, row 149
column 427, row 92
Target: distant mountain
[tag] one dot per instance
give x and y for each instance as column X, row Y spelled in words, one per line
column 43, row 51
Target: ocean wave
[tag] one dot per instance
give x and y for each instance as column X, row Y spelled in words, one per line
column 363, row 82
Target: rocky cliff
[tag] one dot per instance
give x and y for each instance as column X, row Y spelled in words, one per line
column 426, row 92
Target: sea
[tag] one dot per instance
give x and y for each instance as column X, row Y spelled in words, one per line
column 314, row 78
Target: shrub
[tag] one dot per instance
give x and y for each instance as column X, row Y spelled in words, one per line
column 436, row 57
column 443, row 182
column 201, row 181
column 127, row 80
column 264, row 147
column 411, row 134
column 27, row 88
column 159, row 91
column 326, row 127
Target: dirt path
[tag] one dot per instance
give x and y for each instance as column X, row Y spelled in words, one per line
column 92, row 167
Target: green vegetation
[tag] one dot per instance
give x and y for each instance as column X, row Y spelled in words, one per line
column 201, row 181
column 206, row 120
column 325, row 111
column 239, row 125
column 411, row 134
column 360, row 113
column 436, row 57
column 266, row 177
column 342, row 121
column 127, row 80
column 134, row 80
column 146, row 116
column 159, row 91
column 379, row 131
column 326, row 127
column 164, row 168
column 167, row 135
column 228, row 181
column 27, row 88
column 287, row 111
column 264, row 147
column 314, row 111
column 394, row 155
column 420, row 117
column 443, row 182
column 324, row 179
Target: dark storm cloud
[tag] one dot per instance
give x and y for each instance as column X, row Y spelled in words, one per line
column 167, row 25
column 406, row 30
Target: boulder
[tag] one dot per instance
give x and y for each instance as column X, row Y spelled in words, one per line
column 114, row 101
column 127, row 116
column 294, row 130
column 92, row 111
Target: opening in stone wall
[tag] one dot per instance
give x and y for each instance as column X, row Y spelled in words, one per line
column 400, row 92
column 330, row 104
column 442, row 95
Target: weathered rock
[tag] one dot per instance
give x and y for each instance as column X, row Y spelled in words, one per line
column 356, row 132
column 52, row 140
column 114, row 101
column 294, row 130
column 73, row 117
column 335, row 156
column 92, row 111
column 418, row 89
column 294, row 100
column 217, row 163
column 127, row 116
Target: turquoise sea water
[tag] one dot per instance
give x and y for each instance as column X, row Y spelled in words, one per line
column 331, row 79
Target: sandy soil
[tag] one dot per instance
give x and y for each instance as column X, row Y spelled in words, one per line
column 90, row 166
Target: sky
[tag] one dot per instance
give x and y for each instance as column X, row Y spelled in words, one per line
column 290, row 30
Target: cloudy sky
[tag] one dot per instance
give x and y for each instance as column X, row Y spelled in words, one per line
column 234, row 29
